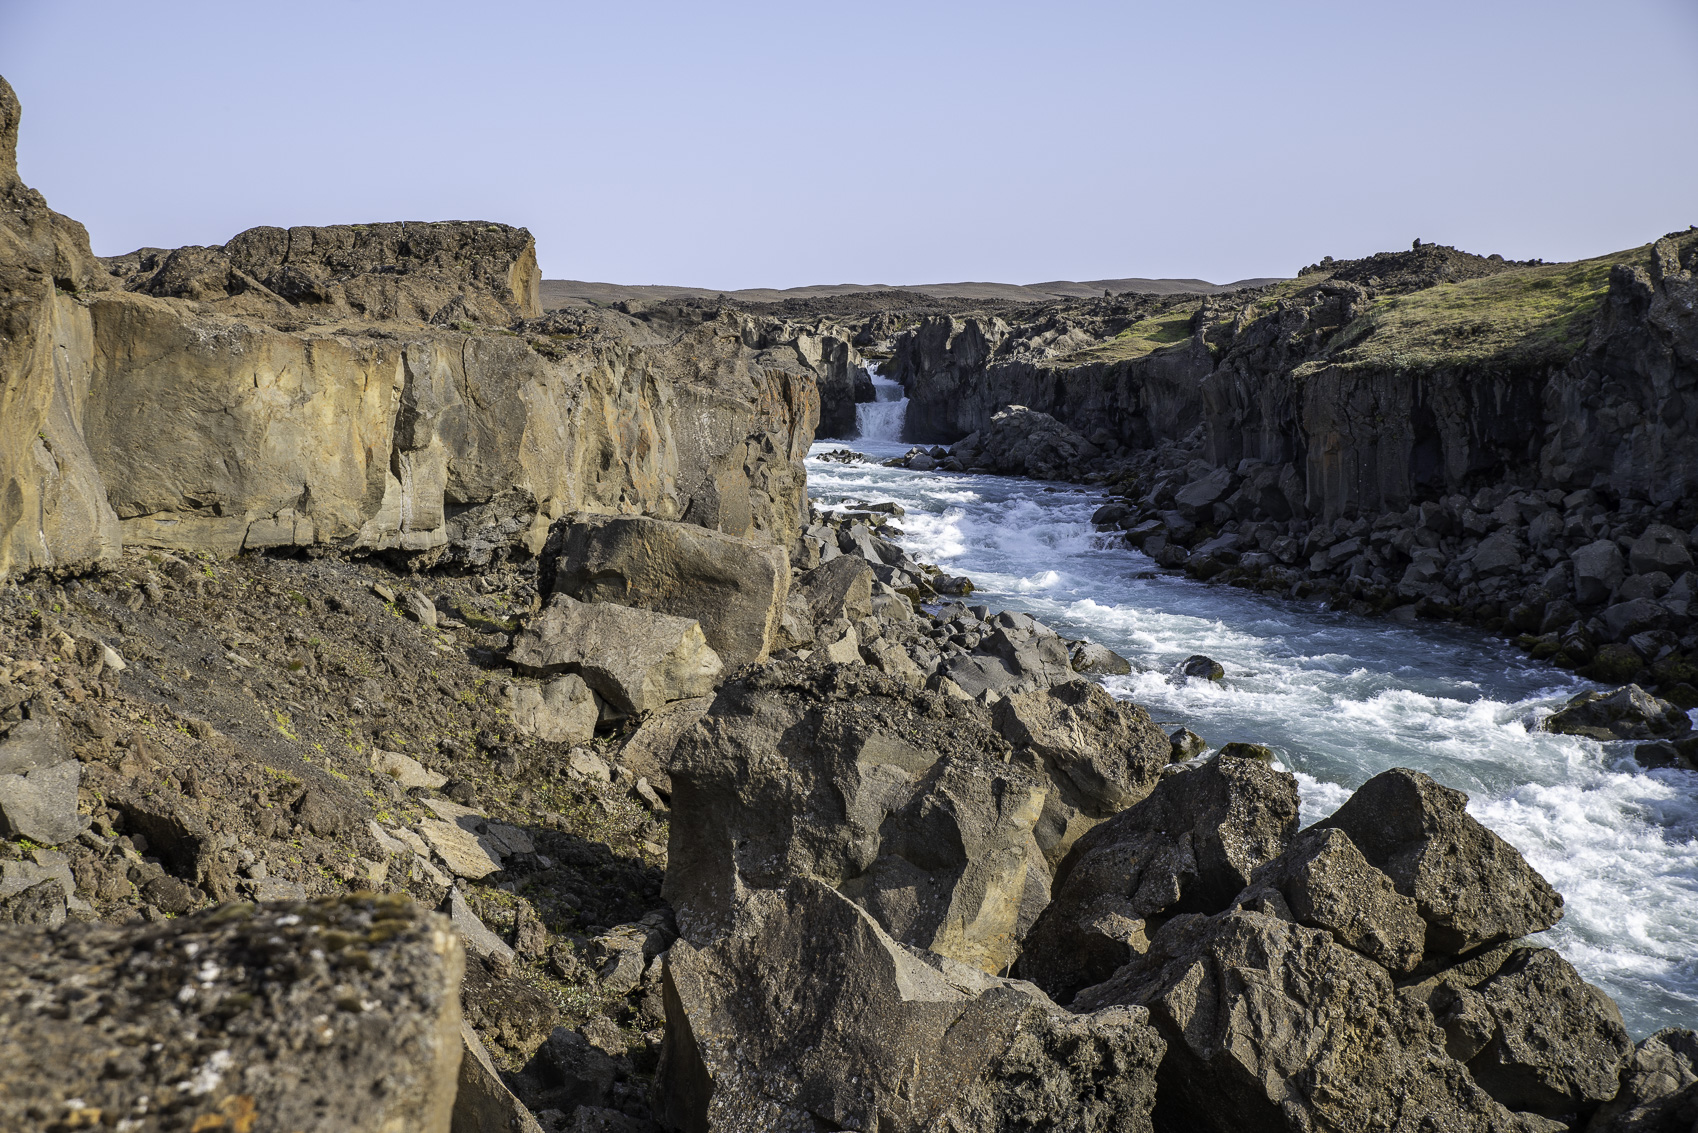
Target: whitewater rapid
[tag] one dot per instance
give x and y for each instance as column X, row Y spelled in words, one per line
column 1340, row 699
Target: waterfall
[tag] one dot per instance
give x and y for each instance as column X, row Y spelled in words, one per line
column 881, row 419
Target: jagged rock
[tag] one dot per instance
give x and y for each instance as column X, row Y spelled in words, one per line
column 1019, row 441
column 904, row 799
column 1102, row 754
column 805, row 1014
column 1191, row 846
column 1626, row 713
column 560, row 711
column 474, row 934
column 1273, row 1027
column 1470, row 886
column 648, row 751
column 1660, row 548
column 735, row 588
column 841, row 588
column 1098, row 660
column 482, row 1101
column 1659, row 1087
column 41, row 904
column 342, row 1013
column 1016, row 654
column 637, row 659
column 1326, row 883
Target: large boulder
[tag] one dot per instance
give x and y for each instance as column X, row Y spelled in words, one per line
column 734, row 587
column 1326, row 883
column 1625, row 713
column 1534, row 1034
column 1659, row 1087
column 1102, row 754
column 807, row 1015
column 1470, row 886
column 905, row 800
column 840, row 588
column 1016, row 654
column 1025, row 442
column 336, row 1014
column 1191, row 846
column 1660, row 548
column 1273, row 1027
column 638, row 660
column 38, row 784
column 1598, row 569
column 559, row 711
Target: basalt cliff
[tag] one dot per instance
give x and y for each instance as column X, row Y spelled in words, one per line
column 423, row 711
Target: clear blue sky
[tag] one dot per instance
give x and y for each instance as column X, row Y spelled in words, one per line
column 750, row 144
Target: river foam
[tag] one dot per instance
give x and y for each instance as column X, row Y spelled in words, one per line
column 1340, row 699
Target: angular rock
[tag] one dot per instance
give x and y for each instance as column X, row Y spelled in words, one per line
column 648, row 751
column 41, row 804
column 1626, row 713
column 363, row 1033
column 905, row 800
column 841, row 588
column 1326, row 883
column 1470, row 886
column 466, row 853
column 1659, row 1087
column 637, row 659
column 807, row 1015
column 41, row 904
column 482, row 1101
column 1273, row 1027
column 1103, row 755
column 474, row 934
column 735, row 588
column 1191, row 846
column 405, row 770
column 1185, row 744
column 560, row 711
column 30, row 744
column 1660, row 548
column 1598, row 570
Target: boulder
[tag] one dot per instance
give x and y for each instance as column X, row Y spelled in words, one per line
column 1598, row 570
column 648, row 751
column 734, row 587
column 1326, row 883
column 805, row 1014
column 841, row 588
column 335, row 1014
column 1102, row 754
column 1274, row 1027
column 1016, row 654
column 1203, row 668
column 905, row 800
column 1098, row 660
column 559, row 711
column 638, row 660
column 41, row 804
column 1204, row 492
column 1185, row 744
column 1626, row 713
column 1470, row 886
column 1659, row 1087
column 1660, row 548
column 482, row 1101
column 1191, row 846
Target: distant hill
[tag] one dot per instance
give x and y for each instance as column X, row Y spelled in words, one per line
column 576, row 293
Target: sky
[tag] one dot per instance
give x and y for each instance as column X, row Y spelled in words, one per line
column 736, row 145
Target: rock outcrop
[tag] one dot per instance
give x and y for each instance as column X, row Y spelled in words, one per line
column 340, row 1014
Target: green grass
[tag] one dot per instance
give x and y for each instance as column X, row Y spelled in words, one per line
column 1146, row 336
column 1528, row 315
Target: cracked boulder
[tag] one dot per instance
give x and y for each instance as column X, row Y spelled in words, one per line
column 1191, row 846
column 806, row 1015
column 638, row 660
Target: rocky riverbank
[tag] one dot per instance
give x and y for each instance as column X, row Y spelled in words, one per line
column 1423, row 434
column 419, row 710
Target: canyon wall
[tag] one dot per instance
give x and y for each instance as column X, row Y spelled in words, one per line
column 385, row 387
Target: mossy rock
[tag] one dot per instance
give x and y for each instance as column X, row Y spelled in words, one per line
column 1261, row 753
column 1682, row 695
column 1615, row 664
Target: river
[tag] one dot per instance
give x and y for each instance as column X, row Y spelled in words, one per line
column 1340, row 698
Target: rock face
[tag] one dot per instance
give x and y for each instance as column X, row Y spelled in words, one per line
column 342, row 1013
column 872, row 1035
column 376, row 387
column 1189, row 847
column 53, row 507
column 735, row 588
